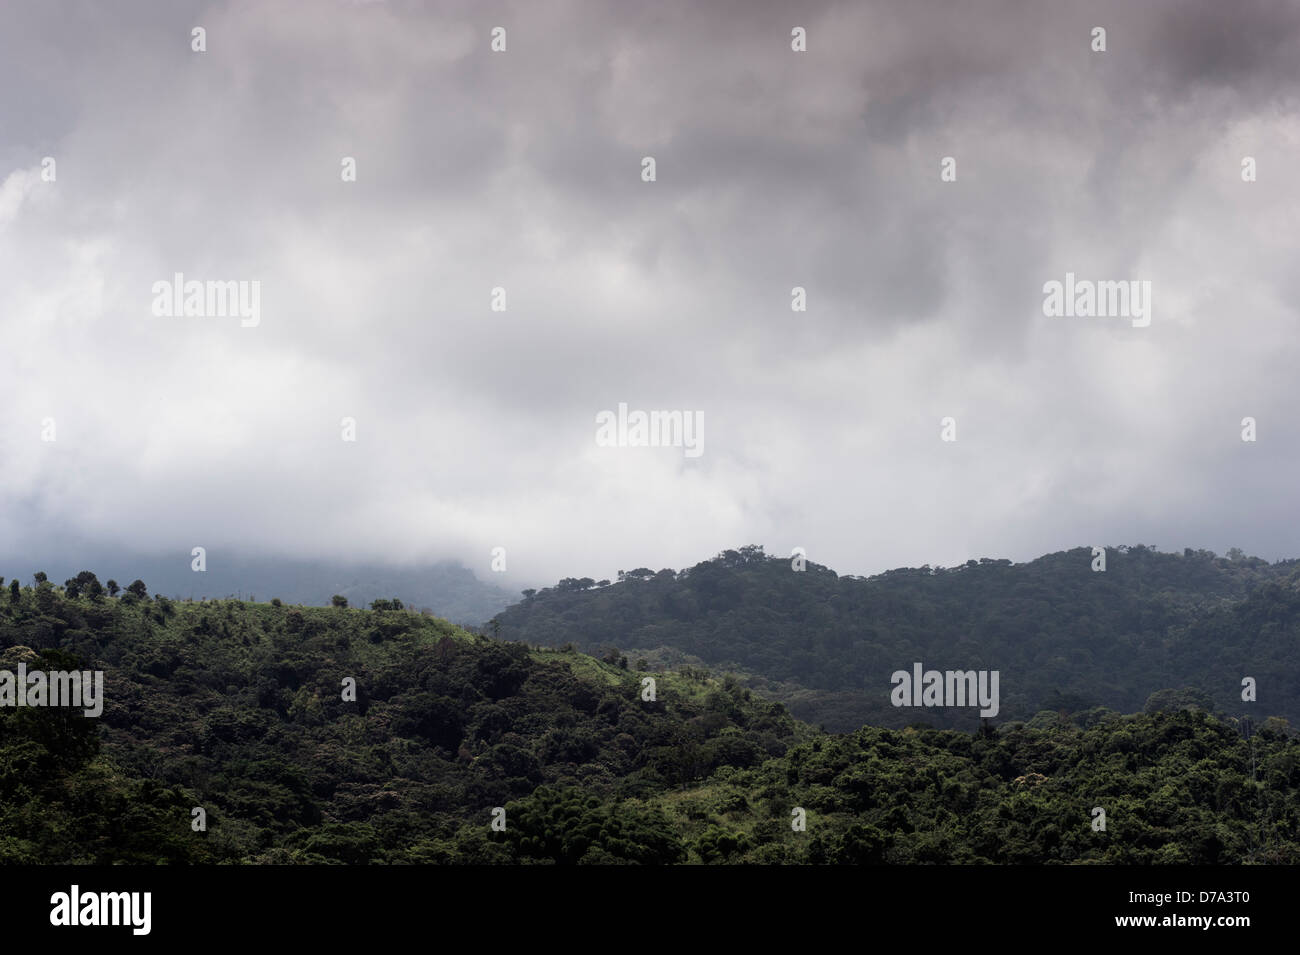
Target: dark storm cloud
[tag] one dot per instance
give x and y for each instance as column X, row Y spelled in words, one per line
column 522, row 170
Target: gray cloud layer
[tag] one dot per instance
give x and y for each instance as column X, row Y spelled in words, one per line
column 522, row 170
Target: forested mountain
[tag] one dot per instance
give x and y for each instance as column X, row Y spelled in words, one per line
column 1062, row 636
column 239, row 709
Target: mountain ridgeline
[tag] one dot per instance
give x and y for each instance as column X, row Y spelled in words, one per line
column 1152, row 630
column 235, row 732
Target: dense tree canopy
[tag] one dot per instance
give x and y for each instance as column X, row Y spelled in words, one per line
column 1061, row 635
column 338, row 735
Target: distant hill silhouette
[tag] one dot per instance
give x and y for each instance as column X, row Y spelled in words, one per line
column 1062, row 636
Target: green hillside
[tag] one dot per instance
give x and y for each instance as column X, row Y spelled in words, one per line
column 238, row 708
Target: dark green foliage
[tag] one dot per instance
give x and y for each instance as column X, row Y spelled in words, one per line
column 568, row 826
column 1175, row 787
column 239, row 708
column 1062, row 636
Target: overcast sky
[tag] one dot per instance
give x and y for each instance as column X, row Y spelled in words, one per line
column 523, row 169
